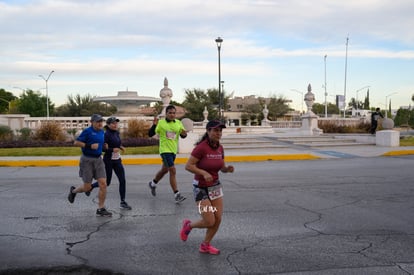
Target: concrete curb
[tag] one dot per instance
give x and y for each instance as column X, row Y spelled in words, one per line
column 399, row 153
column 38, row 163
column 257, row 156
column 151, row 160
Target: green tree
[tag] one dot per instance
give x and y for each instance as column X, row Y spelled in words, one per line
column 404, row 117
column 253, row 112
column 84, row 106
column 366, row 102
column 353, row 103
column 6, row 101
column 277, row 107
column 195, row 101
column 389, row 108
column 333, row 109
column 158, row 106
column 34, row 104
column 319, row 109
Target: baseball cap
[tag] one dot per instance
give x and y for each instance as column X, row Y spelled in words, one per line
column 111, row 119
column 215, row 124
column 97, row 118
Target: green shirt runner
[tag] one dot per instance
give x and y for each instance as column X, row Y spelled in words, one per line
column 169, row 132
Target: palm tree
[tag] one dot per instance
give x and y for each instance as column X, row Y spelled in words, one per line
column 84, row 106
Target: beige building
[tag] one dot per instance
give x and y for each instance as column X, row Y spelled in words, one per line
column 237, row 103
column 236, row 106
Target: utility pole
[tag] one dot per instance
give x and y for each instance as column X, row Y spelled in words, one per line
column 326, row 94
column 346, row 60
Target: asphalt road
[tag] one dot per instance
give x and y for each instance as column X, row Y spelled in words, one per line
column 341, row 216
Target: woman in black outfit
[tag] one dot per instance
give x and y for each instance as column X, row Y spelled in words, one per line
column 112, row 158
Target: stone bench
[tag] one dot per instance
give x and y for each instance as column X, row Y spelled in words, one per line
column 389, row 138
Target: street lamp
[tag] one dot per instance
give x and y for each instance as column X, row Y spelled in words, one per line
column 219, row 40
column 386, row 101
column 326, row 94
column 346, row 62
column 222, row 98
column 47, row 94
column 303, row 99
column 357, row 103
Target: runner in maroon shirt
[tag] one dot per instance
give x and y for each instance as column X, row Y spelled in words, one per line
column 206, row 160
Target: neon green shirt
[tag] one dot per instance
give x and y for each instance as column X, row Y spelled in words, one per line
column 169, row 133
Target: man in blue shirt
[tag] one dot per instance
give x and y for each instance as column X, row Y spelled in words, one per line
column 91, row 165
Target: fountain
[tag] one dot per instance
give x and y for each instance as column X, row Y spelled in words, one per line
column 127, row 102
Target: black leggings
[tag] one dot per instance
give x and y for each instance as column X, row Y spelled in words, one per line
column 374, row 125
column 118, row 168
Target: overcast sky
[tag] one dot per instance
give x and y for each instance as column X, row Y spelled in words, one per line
column 270, row 47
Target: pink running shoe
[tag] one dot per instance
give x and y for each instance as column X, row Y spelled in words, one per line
column 208, row 248
column 185, row 230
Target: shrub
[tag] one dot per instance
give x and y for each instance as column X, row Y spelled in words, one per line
column 330, row 127
column 25, row 133
column 137, row 129
column 51, row 130
column 71, row 132
column 128, row 142
column 6, row 133
column 137, row 142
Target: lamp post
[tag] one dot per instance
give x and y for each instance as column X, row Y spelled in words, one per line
column 47, row 93
column 357, row 103
column 222, row 98
column 386, row 101
column 219, row 40
column 303, row 99
column 326, row 94
column 346, row 62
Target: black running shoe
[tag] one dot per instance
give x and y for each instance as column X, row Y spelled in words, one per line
column 153, row 192
column 102, row 212
column 88, row 193
column 179, row 198
column 71, row 196
column 125, row 206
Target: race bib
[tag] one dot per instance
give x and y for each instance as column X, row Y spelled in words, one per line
column 115, row 156
column 215, row 192
column 171, row 135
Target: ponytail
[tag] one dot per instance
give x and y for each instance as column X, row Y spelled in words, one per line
column 204, row 137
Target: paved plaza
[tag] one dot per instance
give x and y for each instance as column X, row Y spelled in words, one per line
column 334, row 215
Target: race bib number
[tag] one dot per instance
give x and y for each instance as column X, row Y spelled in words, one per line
column 170, row 135
column 215, row 192
column 115, row 156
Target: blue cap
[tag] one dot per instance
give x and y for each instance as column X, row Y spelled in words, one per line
column 97, row 118
column 111, row 119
